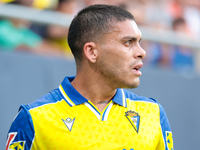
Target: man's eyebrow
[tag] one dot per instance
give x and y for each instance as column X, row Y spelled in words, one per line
column 131, row 38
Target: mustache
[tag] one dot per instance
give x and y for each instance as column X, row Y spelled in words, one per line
column 136, row 63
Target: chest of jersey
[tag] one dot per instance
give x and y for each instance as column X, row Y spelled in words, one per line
column 82, row 127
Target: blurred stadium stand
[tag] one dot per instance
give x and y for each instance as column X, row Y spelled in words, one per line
column 25, row 77
column 49, row 17
column 34, row 15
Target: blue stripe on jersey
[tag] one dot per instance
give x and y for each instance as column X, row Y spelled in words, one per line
column 67, row 99
column 123, row 98
column 104, row 113
column 93, row 108
column 71, row 92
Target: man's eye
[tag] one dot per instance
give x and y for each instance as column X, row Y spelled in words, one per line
column 128, row 42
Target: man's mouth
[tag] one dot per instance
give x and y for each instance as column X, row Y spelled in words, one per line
column 136, row 69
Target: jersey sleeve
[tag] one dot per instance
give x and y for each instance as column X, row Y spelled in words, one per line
column 166, row 140
column 21, row 133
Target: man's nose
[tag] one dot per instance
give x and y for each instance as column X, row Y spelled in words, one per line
column 140, row 52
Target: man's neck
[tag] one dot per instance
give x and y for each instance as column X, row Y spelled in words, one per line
column 94, row 89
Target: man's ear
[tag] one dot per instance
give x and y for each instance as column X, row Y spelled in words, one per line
column 90, row 51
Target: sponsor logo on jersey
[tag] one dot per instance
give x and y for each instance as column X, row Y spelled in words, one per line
column 69, row 123
column 169, row 140
column 10, row 145
column 17, row 145
column 134, row 119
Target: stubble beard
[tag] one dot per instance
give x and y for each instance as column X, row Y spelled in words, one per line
column 122, row 82
column 129, row 85
column 117, row 78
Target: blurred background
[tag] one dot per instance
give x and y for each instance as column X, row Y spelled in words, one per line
column 35, row 56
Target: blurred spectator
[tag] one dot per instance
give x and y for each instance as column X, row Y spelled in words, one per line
column 180, row 26
column 175, row 8
column 158, row 54
column 16, row 35
column 55, row 34
column 182, row 57
column 189, row 10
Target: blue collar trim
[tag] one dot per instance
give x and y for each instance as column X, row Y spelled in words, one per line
column 73, row 97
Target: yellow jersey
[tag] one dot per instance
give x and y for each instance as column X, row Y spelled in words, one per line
column 65, row 120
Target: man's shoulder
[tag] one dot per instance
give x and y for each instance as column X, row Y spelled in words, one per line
column 49, row 98
column 134, row 97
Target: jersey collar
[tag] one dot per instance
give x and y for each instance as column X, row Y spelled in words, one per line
column 73, row 97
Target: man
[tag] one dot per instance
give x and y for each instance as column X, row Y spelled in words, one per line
column 91, row 111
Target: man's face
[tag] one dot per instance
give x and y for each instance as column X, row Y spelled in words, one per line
column 120, row 55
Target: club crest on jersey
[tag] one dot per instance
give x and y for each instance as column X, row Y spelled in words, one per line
column 134, row 119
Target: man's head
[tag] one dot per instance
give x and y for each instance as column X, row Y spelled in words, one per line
column 91, row 23
column 105, row 43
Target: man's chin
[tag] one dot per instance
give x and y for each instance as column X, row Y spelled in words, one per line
column 133, row 85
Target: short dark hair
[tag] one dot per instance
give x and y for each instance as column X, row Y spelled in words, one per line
column 92, row 22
